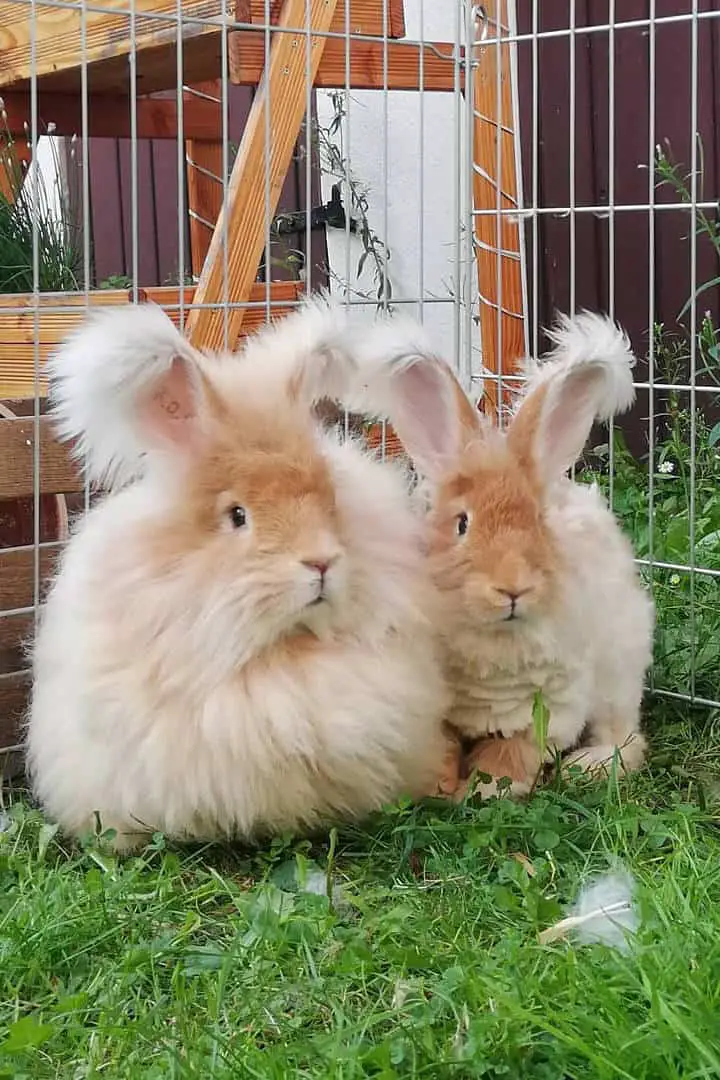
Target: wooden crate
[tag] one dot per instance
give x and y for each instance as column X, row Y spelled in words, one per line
column 59, row 313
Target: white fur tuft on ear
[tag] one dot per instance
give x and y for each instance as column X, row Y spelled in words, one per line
column 97, row 379
column 590, row 339
column 310, row 352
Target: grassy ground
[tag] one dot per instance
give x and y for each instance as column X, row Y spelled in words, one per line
column 221, row 963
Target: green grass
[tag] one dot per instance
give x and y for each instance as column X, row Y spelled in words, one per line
column 219, row 963
column 425, row 962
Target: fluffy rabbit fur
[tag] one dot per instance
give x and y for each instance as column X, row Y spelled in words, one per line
column 240, row 636
column 540, row 583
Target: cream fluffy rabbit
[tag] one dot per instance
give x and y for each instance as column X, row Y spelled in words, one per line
column 240, row 636
column 541, row 586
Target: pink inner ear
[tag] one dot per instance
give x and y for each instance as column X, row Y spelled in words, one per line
column 169, row 412
column 426, row 419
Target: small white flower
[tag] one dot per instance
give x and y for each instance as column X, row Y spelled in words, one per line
column 674, row 579
column 666, row 467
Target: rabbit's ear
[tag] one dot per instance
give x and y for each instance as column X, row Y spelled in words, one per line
column 401, row 378
column 431, row 414
column 553, row 423
column 587, row 377
column 169, row 411
column 103, row 379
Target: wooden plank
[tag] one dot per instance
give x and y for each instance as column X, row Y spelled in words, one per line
column 15, row 632
column 246, row 50
column 14, row 694
column 243, row 216
column 204, row 167
column 365, row 17
column 282, row 293
column 497, row 233
column 109, row 116
column 60, row 313
column 57, row 33
column 58, row 474
column 17, row 574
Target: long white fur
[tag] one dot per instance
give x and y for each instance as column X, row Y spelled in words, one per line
column 96, row 378
column 589, row 340
column 144, row 705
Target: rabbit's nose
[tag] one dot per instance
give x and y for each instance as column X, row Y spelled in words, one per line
column 321, row 565
column 513, row 595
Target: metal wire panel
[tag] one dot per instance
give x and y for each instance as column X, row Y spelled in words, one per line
column 476, row 165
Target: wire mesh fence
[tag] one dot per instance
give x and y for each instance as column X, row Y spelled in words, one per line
column 476, row 165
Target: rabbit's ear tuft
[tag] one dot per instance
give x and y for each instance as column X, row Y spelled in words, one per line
column 588, row 377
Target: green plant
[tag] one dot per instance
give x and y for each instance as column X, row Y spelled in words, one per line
column 334, row 162
column 670, row 508
column 670, row 174
column 116, row 281
column 29, row 216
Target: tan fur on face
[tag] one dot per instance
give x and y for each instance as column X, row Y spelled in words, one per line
column 288, row 496
column 507, row 547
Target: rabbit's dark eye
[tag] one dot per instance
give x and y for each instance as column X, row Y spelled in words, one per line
column 238, row 517
column 462, row 524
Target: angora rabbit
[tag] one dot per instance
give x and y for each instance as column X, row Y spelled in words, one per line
column 542, row 592
column 240, row 637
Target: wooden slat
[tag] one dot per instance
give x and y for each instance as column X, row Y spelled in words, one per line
column 57, row 33
column 58, row 473
column 366, row 17
column 497, row 235
column 60, row 313
column 156, row 69
column 109, row 116
column 204, row 166
column 17, row 569
column 257, row 169
column 15, row 632
column 246, row 50
column 14, row 693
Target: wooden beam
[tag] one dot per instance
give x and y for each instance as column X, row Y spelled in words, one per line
column 365, row 16
column 57, row 32
column 61, row 313
column 14, row 631
column 204, row 165
column 17, row 568
column 14, row 694
column 58, row 473
column 246, row 51
column 204, row 168
column 497, row 232
column 283, row 93
column 109, row 116
column 9, row 179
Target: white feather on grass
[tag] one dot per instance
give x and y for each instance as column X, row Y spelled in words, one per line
column 604, row 913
